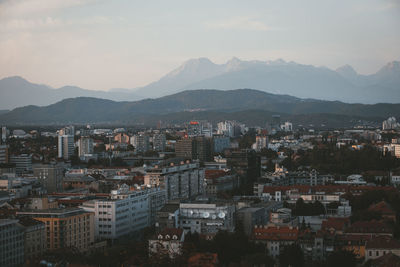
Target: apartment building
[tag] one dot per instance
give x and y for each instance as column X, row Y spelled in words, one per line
column 71, row 227
column 11, row 243
column 126, row 212
column 180, row 181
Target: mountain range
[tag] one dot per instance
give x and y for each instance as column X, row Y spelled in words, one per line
column 17, row 92
column 281, row 77
column 278, row 77
column 242, row 104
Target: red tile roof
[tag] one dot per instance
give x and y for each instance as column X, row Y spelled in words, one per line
column 203, row 260
column 338, row 224
column 382, row 207
column 276, row 233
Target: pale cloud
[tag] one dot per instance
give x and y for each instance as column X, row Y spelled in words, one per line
column 17, row 8
column 239, row 23
column 13, row 25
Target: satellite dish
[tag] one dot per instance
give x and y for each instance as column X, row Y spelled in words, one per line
column 214, row 217
column 190, row 213
column 206, row 214
column 221, row 215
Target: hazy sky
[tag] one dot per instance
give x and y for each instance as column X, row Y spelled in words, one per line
column 102, row 44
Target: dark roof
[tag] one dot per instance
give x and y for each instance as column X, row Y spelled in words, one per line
column 369, row 227
column 388, row 260
column 28, row 221
column 170, row 207
column 168, row 233
column 384, row 242
column 382, row 207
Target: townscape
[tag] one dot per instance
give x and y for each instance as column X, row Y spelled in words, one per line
column 199, row 194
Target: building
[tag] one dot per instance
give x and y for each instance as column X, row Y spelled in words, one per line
column 85, row 146
column 203, row 260
column 11, row 243
column 168, row 216
column 3, row 154
column 390, row 124
column 250, row 217
column 34, row 237
column 275, row 237
column 261, row 143
column 226, row 128
column 50, row 175
column 246, row 163
column 141, row 143
column 220, row 143
column 65, row 228
column 207, row 218
column 68, row 130
column 168, row 242
column 198, row 147
column 23, row 163
column 159, row 141
column 126, row 213
column 287, row 127
column 380, row 246
column 218, row 181
column 180, row 182
column 42, row 203
column 122, row 138
column 3, row 134
column 66, row 146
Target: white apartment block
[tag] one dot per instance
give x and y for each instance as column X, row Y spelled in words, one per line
column 127, row 212
column 180, row 182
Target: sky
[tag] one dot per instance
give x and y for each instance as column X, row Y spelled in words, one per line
column 103, row 44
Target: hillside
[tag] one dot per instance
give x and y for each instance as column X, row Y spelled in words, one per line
column 232, row 102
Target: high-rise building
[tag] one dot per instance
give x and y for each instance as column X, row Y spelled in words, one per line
column 85, row 146
column 246, row 163
column 159, row 142
column 220, row 143
column 198, row 147
column 3, row 154
column 23, row 163
column 66, row 146
column 11, row 243
column 226, row 128
column 390, row 124
column 287, row 126
column 68, row 130
column 141, row 143
column 50, row 175
column 65, row 228
column 180, row 181
column 261, row 142
column 3, row 134
column 121, row 138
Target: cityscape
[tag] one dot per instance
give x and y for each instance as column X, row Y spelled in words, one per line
column 180, row 133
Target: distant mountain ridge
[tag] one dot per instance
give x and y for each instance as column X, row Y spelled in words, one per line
column 94, row 110
column 16, row 92
column 282, row 77
column 278, row 77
